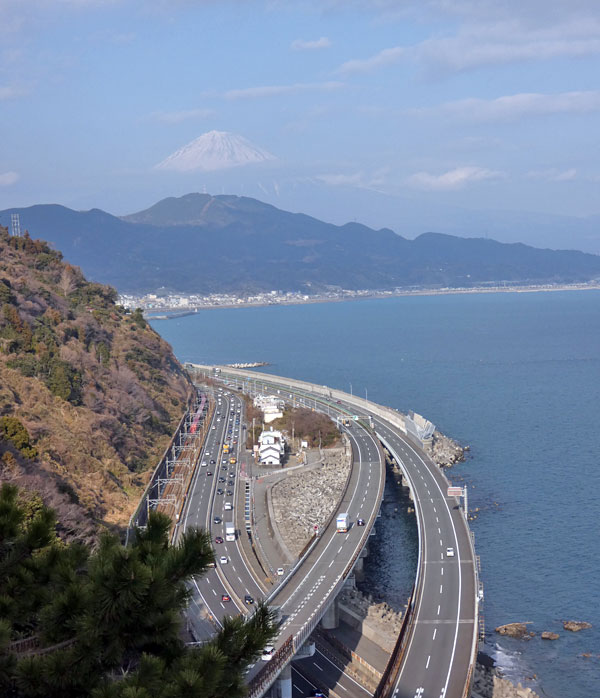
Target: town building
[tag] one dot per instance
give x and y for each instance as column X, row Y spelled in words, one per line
column 271, row 447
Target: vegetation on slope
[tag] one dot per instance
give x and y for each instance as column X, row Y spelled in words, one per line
column 107, row 623
column 314, row 427
column 89, row 394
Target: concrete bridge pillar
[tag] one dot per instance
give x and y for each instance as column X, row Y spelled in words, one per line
column 284, row 683
column 331, row 618
column 359, row 569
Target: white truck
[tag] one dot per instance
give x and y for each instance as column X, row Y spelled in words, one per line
column 342, row 522
column 230, row 531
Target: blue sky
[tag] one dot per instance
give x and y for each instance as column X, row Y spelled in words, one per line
column 377, row 110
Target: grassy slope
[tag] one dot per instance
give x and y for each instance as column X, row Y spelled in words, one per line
column 97, row 389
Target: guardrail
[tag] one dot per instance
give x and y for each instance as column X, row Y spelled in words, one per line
column 397, row 420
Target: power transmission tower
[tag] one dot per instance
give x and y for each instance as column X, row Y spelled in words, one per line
column 15, row 225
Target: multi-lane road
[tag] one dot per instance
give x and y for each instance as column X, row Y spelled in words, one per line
column 440, row 646
column 302, row 596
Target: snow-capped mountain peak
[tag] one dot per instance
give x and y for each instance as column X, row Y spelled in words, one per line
column 215, row 150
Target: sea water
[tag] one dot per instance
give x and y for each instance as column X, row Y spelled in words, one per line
column 516, row 376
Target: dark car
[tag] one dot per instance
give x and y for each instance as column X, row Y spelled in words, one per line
column 230, row 483
column 219, row 491
column 221, row 479
column 218, row 539
column 248, row 600
column 208, row 473
column 229, row 493
column 315, row 693
column 213, row 461
column 360, row 522
column 225, row 597
column 217, row 519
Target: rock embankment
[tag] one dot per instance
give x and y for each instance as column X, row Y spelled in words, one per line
column 445, row 451
column 488, row 683
column 383, row 622
column 309, row 498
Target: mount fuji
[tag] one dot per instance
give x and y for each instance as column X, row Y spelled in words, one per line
column 215, row 150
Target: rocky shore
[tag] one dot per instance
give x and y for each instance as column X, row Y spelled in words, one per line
column 489, row 683
column 445, row 451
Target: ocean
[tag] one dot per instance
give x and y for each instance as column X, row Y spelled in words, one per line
column 516, row 376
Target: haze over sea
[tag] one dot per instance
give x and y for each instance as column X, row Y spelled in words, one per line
column 515, row 376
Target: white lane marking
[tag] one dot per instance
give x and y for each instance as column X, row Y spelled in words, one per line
column 340, row 685
column 320, row 668
column 214, row 592
column 438, row 610
column 441, row 542
column 340, row 550
column 441, row 587
column 439, row 530
column 442, row 571
column 434, row 633
column 428, row 660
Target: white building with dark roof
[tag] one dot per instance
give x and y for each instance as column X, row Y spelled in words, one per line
column 271, row 447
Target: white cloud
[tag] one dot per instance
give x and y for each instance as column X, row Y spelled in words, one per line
column 452, row 180
column 10, row 92
column 341, row 180
column 488, row 33
column 511, row 107
column 301, row 45
column 553, row 175
column 276, row 90
column 177, row 117
column 8, row 178
column 361, row 180
column 379, row 60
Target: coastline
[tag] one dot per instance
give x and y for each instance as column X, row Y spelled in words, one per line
column 170, row 313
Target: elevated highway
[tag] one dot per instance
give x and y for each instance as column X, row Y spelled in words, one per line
column 436, row 653
column 304, row 594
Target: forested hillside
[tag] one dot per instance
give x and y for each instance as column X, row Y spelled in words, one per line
column 89, row 394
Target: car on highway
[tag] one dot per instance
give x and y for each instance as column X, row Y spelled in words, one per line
column 212, row 564
column 223, row 559
column 248, row 600
column 360, row 522
column 267, row 653
column 213, row 462
column 228, row 506
column 225, row 597
column 449, row 552
column 230, row 483
column 217, row 519
column 208, row 473
column 218, row 539
column 221, row 479
column 315, row 693
column 204, row 464
column 229, row 493
column 280, row 571
column 219, row 491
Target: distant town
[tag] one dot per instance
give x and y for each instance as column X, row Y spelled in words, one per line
column 176, row 304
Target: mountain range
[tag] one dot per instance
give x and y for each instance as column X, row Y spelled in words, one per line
column 200, row 243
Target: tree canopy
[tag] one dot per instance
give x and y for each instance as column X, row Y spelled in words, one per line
column 106, row 623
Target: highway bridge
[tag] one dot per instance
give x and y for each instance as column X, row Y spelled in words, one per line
column 435, row 654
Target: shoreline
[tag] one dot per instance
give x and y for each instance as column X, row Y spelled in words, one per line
column 171, row 314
